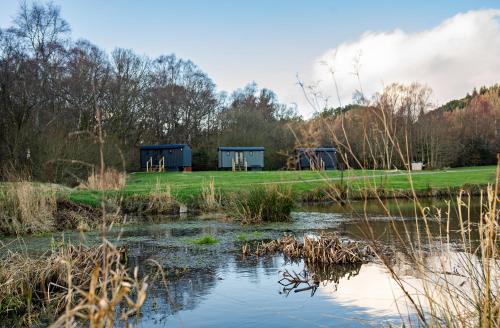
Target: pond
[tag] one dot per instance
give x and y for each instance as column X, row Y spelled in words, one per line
column 213, row 285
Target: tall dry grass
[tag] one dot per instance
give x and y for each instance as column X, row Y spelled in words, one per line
column 70, row 285
column 161, row 200
column 210, row 200
column 453, row 284
column 456, row 285
column 26, row 207
column 112, row 179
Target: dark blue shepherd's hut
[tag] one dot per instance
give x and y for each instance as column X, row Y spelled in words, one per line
column 316, row 158
column 173, row 157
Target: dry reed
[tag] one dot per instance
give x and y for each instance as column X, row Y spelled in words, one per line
column 26, row 208
column 457, row 285
column 74, row 283
column 161, row 200
column 326, row 249
column 458, row 282
column 112, row 179
column 210, row 200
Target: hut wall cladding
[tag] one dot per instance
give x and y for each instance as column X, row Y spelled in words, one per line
column 177, row 156
column 254, row 156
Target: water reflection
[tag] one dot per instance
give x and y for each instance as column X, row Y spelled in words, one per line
column 219, row 287
column 372, row 289
column 249, row 296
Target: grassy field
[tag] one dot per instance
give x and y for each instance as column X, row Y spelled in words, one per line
column 185, row 186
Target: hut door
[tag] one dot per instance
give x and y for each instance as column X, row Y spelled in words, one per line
column 238, row 158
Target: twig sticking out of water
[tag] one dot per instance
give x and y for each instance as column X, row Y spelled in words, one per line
column 291, row 281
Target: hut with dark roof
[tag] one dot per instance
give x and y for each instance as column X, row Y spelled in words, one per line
column 321, row 158
column 167, row 157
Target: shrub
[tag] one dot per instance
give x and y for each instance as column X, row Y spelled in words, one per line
column 270, row 203
column 206, row 240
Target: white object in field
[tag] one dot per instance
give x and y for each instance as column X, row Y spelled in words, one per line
column 149, row 164
column 417, row 166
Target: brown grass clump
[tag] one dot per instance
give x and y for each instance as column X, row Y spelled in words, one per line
column 325, row 249
column 210, row 200
column 161, row 200
column 329, row 249
column 26, row 208
column 111, row 180
column 70, row 284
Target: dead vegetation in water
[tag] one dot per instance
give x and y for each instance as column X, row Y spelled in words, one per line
column 325, row 249
column 70, row 284
column 313, row 277
column 292, row 281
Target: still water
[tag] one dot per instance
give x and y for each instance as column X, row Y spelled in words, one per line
column 215, row 286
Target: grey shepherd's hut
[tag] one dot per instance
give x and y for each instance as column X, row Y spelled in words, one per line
column 170, row 157
column 316, row 158
column 241, row 158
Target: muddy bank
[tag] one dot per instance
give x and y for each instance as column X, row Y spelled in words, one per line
column 70, row 215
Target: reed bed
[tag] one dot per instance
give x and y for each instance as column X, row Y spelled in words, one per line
column 112, row 179
column 457, row 285
column 210, row 200
column 68, row 285
column 326, row 249
column 26, row 208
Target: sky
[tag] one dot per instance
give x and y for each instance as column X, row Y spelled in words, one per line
column 450, row 45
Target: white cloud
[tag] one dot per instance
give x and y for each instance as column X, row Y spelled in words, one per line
column 460, row 53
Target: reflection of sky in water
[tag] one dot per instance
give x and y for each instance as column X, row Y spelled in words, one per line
column 221, row 289
column 249, row 296
column 372, row 289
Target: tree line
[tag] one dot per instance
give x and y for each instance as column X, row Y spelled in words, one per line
column 55, row 94
column 400, row 125
column 63, row 101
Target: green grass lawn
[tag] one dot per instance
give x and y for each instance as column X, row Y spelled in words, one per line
column 185, row 186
